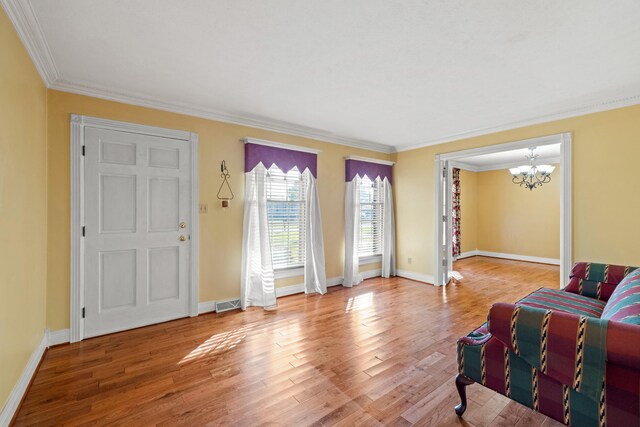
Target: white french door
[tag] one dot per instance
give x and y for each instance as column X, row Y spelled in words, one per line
column 137, row 232
column 447, row 246
column 444, row 231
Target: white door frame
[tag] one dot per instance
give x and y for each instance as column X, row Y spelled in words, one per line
column 565, row 140
column 78, row 124
column 441, row 200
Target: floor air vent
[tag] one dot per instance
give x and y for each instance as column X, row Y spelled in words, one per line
column 231, row 304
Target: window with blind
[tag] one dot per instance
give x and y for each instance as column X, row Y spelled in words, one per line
column 371, row 217
column 286, row 213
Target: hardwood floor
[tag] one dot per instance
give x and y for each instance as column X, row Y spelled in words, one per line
column 382, row 353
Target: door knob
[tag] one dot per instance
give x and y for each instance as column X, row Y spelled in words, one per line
column 183, row 225
column 183, row 238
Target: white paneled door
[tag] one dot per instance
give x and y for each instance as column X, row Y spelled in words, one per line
column 137, row 243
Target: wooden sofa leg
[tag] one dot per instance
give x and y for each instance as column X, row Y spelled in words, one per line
column 461, row 383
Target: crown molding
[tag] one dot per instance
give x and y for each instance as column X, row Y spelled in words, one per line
column 317, row 134
column 595, row 107
column 26, row 24
column 239, row 119
column 24, row 20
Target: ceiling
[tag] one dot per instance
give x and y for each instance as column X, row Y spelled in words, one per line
column 381, row 74
column 548, row 154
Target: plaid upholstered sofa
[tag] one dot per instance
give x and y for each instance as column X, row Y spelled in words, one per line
column 572, row 354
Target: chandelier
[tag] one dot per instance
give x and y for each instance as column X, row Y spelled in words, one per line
column 531, row 176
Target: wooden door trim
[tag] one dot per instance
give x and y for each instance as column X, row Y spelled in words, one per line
column 78, row 123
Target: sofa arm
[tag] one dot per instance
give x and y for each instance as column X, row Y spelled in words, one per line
column 470, row 348
column 623, row 344
column 569, row 348
column 475, row 338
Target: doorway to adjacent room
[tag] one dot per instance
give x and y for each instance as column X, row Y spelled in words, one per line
column 507, row 211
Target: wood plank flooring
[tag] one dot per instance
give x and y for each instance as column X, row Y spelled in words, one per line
column 381, row 353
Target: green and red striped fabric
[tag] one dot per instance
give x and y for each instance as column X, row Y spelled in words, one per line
column 624, row 304
column 596, row 280
column 570, row 355
column 495, row 366
column 555, row 299
column 567, row 347
column 578, row 370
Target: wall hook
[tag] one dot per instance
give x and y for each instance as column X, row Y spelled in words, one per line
column 225, row 175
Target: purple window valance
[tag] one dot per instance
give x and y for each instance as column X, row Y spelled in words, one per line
column 281, row 157
column 370, row 169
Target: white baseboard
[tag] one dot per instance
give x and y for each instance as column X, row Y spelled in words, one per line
column 290, row 290
column 61, row 336
column 14, row 399
column 415, row 276
column 332, row 281
column 210, row 306
column 206, row 307
column 467, row 254
column 553, row 261
column 50, row 338
column 371, row 273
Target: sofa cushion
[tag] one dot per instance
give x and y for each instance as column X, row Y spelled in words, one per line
column 555, row 299
column 595, row 280
column 624, row 304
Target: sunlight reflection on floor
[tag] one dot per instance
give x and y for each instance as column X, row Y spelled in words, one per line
column 455, row 275
column 216, row 344
column 359, row 302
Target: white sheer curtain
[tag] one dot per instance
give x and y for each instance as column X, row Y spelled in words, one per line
column 389, row 233
column 257, row 281
column 352, row 275
column 315, row 279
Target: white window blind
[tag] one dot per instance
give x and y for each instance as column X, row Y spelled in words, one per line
column 371, row 217
column 286, row 213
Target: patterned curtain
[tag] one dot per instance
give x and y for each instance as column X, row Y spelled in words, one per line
column 455, row 212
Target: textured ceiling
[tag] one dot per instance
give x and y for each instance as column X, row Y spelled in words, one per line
column 401, row 73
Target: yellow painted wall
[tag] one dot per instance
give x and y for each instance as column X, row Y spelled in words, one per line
column 498, row 216
column 23, row 103
column 220, row 229
column 514, row 220
column 606, row 148
column 468, row 210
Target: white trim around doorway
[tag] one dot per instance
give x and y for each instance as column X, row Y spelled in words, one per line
column 78, row 123
column 565, row 141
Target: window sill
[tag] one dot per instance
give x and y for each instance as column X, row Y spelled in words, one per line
column 370, row 259
column 283, row 273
